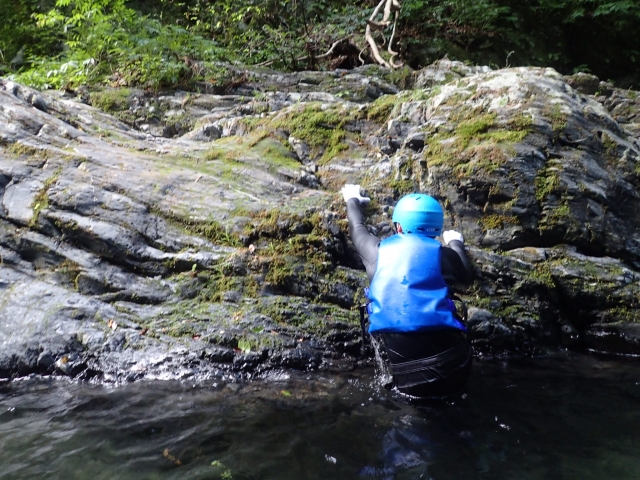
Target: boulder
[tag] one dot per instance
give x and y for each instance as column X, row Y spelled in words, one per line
column 201, row 234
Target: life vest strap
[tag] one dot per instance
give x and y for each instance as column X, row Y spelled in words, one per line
column 363, row 321
column 424, row 363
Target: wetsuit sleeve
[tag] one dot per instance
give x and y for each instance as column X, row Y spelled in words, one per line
column 366, row 244
column 456, row 267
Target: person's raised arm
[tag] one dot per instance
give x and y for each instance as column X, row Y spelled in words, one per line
column 456, row 267
column 365, row 243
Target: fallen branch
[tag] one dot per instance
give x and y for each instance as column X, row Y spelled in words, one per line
column 378, row 25
column 374, row 48
column 387, row 11
column 372, row 18
column 328, row 52
column 335, row 44
column 372, row 24
column 369, row 38
column 392, row 52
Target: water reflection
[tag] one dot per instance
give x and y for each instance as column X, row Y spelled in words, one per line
column 562, row 417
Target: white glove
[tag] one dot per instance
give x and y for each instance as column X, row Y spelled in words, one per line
column 350, row 191
column 450, row 235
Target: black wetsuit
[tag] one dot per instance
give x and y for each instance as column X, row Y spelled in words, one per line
column 424, row 364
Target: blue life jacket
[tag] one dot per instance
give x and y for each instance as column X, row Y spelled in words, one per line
column 407, row 292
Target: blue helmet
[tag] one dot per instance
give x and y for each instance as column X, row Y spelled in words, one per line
column 419, row 213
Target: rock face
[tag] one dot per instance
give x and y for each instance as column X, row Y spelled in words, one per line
column 201, row 234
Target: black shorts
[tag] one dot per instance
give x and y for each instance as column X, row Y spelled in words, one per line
column 433, row 364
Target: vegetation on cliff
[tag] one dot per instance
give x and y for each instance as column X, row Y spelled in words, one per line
column 65, row 43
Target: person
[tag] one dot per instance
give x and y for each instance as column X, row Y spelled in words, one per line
column 411, row 276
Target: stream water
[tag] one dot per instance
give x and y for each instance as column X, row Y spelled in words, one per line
column 563, row 417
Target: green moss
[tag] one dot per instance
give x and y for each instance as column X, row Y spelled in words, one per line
column 588, row 270
column 476, row 144
column 255, row 123
column 115, row 100
column 179, row 328
column 380, row 109
column 276, row 223
column 496, row 221
column 505, row 136
column 323, row 129
column 224, row 154
column 506, row 206
column 542, row 275
column 510, row 312
column 481, row 159
column 547, row 181
column 520, row 123
column 320, row 128
column 403, row 77
column 402, row 187
column 385, row 106
column 623, row 314
column 18, row 149
column 610, row 147
column 126, row 116
column 557, row 118
column 295, row 313
column 290, row 235
column 439, row 153
column 475, row 127
column 223, row 278
column 265, row 340
column 275, row 154
column 561, row 215
column 181, row 121
column 209, row 229
column 294, row 254
column 457, row 99
column 41, row 200
column 280, row 271
column 227, row 155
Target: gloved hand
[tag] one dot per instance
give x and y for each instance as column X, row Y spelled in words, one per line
column 350, row 191
column 450, row 235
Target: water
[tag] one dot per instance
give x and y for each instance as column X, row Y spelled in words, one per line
column 567, row 417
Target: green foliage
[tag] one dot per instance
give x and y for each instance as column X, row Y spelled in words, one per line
column 549, row 29
column 20, row 38
column 225, row 473
column 453, row 24
column 60, row 43
column 278, row 31
column 107, row 41
column 538, row 32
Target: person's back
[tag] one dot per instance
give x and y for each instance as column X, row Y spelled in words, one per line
column 410, row 306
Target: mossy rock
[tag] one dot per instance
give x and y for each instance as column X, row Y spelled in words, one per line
column 111, row 100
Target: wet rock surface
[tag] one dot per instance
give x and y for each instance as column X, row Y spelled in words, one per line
column 200, row 234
